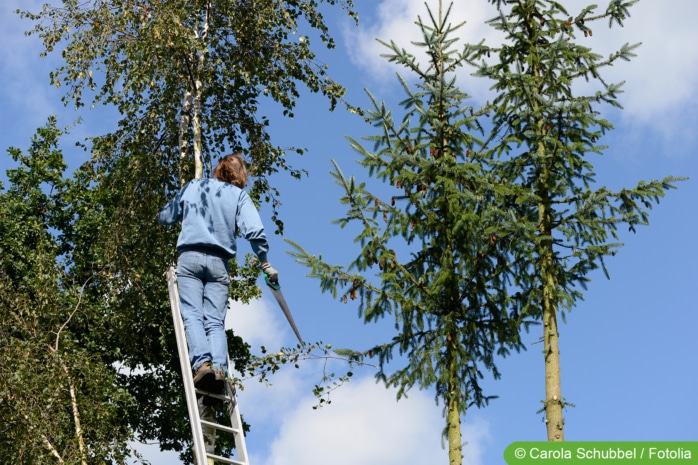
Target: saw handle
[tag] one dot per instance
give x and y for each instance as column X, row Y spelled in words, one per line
column 275, row 286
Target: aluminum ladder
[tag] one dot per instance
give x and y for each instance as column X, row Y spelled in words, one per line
column 201, row 457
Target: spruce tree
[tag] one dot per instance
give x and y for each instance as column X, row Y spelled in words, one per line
column 433, row 246
column 547, row 128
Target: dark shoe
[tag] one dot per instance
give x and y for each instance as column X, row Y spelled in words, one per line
column 219, row 382
column 205, row 377
column 216, row 388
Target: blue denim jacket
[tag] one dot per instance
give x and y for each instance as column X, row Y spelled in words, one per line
column 212, row 214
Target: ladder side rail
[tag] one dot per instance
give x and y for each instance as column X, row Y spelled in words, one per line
column 187, row 377
column 234, row 414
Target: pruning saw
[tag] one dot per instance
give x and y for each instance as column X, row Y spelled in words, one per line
column 276, row 291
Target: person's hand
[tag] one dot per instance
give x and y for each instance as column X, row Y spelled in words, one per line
column 271, row 273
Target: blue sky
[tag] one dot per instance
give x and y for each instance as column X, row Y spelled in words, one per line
column 628, row 350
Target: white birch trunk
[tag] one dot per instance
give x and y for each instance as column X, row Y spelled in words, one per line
column 183, row 127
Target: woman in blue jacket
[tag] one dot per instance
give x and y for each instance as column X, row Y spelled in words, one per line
column 213, row 211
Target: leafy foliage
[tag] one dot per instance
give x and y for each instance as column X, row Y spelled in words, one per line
column 187, row 80
column 58, row 398
column 195, row 70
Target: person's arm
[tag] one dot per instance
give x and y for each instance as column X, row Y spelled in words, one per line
column 172, row 212
column 251, row 228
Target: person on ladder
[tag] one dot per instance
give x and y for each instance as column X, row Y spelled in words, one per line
column 212, row 211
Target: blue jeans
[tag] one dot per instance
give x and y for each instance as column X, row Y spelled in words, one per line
column 202, row 278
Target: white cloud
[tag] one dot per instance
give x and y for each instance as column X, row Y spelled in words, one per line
column 261, row 323
column 258, row 323
column 661, row 84
column 661, row 81
column 395, row 21
column 476, row 437
column 152, row 455
column 365, row 424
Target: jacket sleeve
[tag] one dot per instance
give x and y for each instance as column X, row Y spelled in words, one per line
column 173, row 210
column 250, row 226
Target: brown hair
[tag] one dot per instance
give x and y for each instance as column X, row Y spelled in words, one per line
column 232, row 169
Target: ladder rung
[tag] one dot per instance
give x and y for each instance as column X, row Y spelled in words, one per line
column 218, row 458
column 215, row 396
column 221, row 427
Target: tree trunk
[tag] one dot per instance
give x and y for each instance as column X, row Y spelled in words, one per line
column 553, row 397
column 191, row 105
column 455, row 439
column 455, row 450
column 183, row 141
column 196, row 127
column 76, row 418
column 196, row 103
